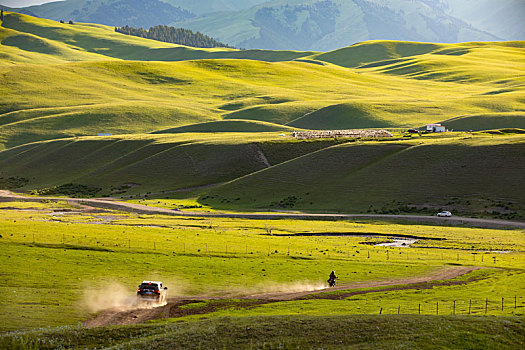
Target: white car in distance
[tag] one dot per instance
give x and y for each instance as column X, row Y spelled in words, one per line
column 445, row 213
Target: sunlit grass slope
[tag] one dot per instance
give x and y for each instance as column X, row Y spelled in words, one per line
column 103, row 41
column 373, row 51
column 61, row 80
column 488, row 121
column 227, row 126
column 464, row 175
column 291, row 332
column 41, row 102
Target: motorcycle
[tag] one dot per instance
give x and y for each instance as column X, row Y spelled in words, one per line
column 331, row 282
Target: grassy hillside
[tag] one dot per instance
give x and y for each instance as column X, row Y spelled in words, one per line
column 103, row 40
column 231, row 125
column 351, row 178
column 487, row 121
column 346, row 332
column 268, row 171
column 62, row 80
column 153, row 163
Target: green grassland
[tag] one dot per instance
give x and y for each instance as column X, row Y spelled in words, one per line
column 231, row 125
column 56, row 257
column 203, row 129
column 346, row 332
column 268, row 171
column 62, row 80
column 352, row 175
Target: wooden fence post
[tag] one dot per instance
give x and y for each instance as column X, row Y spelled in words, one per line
column 437, row 307
column 486, row 305
column 454, row 308
column 398, row 309
column 469, row 306
column 380, row 311
column 502, row 303
column 420, row 309
column 515, row 302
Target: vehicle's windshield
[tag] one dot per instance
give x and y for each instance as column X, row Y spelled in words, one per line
column 149, row 286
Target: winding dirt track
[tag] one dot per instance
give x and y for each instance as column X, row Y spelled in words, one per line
column 143, row 209
column 442, row 277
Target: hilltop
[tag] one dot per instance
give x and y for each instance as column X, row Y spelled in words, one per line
column 230, row 114
column 257, row 171
column 62, row 80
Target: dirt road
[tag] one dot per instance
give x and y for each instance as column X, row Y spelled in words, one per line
column 442, row 277
column 143, row 209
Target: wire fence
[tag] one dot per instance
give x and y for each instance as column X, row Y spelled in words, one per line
column 254, row 246
column 494, row 306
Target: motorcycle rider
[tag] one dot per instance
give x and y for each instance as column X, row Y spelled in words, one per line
column 332, row 278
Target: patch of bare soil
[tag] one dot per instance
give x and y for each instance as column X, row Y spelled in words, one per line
column 182, row 306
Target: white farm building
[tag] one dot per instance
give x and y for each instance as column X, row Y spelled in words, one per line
column 436, row 128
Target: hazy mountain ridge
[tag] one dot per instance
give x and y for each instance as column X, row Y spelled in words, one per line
column 112, row 12
column 319, row 25
column 201, row 7
column 329, row 24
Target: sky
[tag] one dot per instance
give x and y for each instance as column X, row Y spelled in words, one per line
column 23, row 3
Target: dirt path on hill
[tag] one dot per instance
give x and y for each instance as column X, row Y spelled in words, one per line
column 6, row 196
column 442, row 277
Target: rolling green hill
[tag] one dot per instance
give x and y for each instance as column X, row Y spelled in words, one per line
column 268, row 171
column 388, row 177
column 61, row 80
column 231, row 125
column 69, row 81
column 105, row 42
column 155, row 162
column 488, row 121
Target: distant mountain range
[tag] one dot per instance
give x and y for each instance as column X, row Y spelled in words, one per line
column 137, row 13
column 307, row 24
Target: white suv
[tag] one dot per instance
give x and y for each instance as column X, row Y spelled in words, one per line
column 152, row 291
